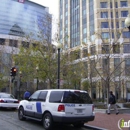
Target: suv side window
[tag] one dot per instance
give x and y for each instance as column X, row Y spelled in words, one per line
column 42, row 96
column 77, row 97
column 34, row 96
column 56, row 96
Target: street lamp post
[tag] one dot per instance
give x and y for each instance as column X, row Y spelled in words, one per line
column 58, row 45
column 127, row 22
column 37, row 68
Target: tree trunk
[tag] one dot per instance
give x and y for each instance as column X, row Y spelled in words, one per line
column 108, row 90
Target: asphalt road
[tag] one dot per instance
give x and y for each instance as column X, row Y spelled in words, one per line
column 9, row 121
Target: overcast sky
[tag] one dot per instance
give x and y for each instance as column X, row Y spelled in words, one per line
column 52, row 4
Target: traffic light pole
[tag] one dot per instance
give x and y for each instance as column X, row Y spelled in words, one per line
column 10, row 86
column 12, row 77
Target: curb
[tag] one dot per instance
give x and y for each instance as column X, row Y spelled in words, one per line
column 121, row 110
column 94, row 127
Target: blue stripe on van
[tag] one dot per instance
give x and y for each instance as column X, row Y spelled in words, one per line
column 38, row 107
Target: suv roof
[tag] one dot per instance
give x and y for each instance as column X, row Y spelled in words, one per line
column 62, row 90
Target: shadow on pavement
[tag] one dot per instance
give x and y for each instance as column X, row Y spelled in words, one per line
column 59, row 126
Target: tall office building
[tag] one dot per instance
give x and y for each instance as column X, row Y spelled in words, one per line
column 91, row 26
column 18, row 20
column 22, row 17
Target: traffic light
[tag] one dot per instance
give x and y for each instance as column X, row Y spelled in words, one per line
column 13, row 71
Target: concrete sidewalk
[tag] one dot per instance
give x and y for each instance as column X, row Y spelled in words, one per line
column 108, row 122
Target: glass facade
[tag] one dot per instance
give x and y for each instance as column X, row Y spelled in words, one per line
column 66, row 24
column 74, row 23
column 61, row 19
column 91, row 17
column 21, row 19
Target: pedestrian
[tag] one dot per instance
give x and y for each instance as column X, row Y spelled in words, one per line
column 112, row 103
column 27, row 95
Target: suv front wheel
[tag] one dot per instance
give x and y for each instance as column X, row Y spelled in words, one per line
column 47, row 121
column 21, row 113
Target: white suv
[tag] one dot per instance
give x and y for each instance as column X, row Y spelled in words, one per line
column 58, row 105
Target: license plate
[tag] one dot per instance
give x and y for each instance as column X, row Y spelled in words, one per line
column 79, row 111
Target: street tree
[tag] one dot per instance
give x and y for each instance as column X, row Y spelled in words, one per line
column 101, row 67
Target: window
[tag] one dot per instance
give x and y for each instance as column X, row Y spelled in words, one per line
column 127, row 66
column 104, row 14
column 61, row 32
column 111, row 14
column 123, row 24
column 13, row 43
column 126, row 34
column 117, row 24
column 112, row 25
column 124, row 13
column 85, row 40
column 25, row 44
column 103, row 5
column 105, row 49
column 34, row 96
column 56, row 96
column 84, row 12
column 105, row 35
column 66, row 21
column 113, row 35
column 66, row 5
column 93, row 50
column 117, row 15
column 118, row 34
column 104, row 25
column 85, row 30
column 116, row 49
column 83, row 2
column 60, row 16
column 117, row 67
column 66, row 13
column 116, row 4
column 4, row 95
column 42, row 96
column 85, row 52
column 105, row 63
column 110, row 4
column 126, row 48
column 2, row 41
column 124, row 4
column 77, row 97
column 84, row 20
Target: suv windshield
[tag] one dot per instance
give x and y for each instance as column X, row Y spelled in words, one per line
column 76, row 97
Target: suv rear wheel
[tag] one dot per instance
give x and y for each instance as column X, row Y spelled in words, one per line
column 47, row 121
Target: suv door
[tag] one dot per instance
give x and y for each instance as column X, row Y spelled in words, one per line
column 40, row 104
column 30, row 104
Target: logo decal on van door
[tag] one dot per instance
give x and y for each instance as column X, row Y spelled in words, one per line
column 38, row 107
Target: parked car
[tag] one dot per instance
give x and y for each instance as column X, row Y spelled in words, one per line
column 58, row 106
column 8, row 101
